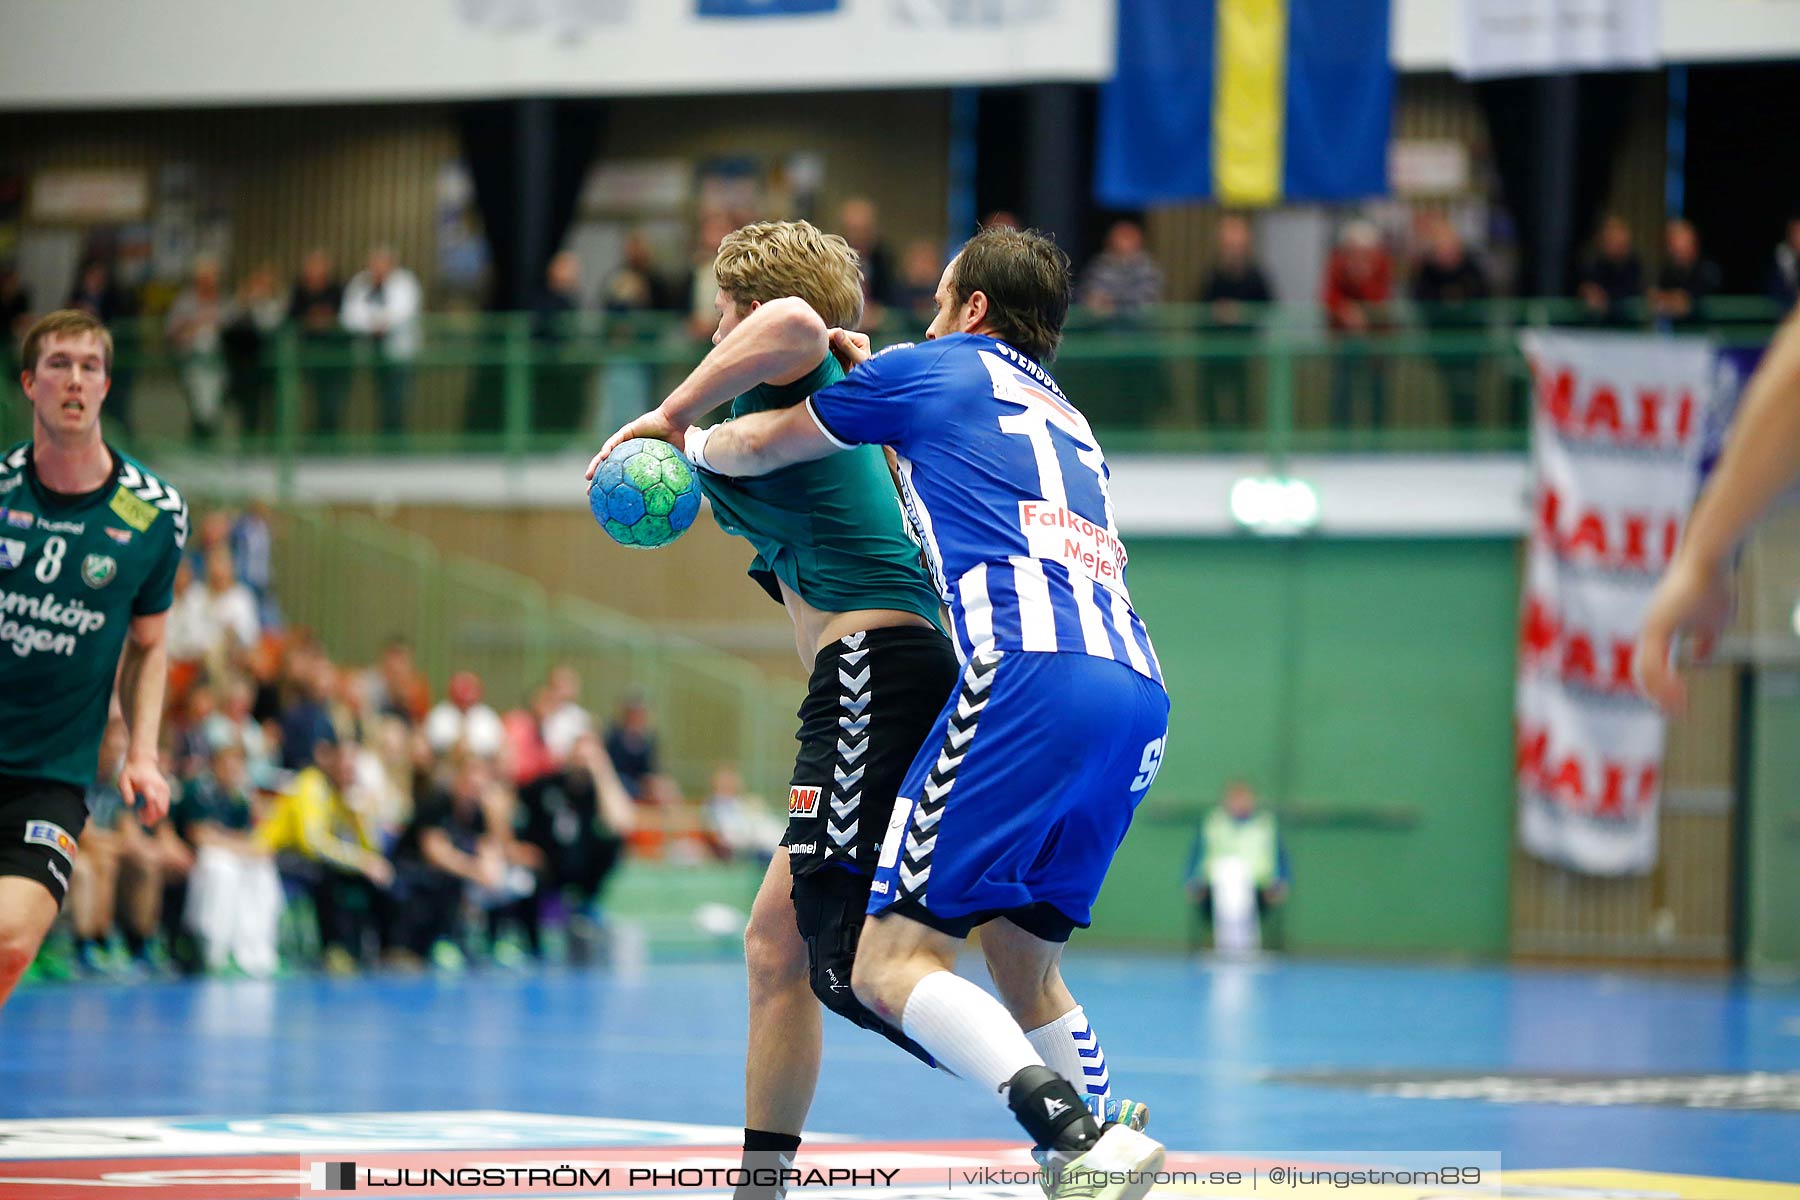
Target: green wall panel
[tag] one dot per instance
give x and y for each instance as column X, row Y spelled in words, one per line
column 1365, row 688
column 1774, row 815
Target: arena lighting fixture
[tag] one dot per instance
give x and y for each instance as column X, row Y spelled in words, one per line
column 1274, row 506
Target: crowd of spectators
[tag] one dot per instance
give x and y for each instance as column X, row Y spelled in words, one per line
column 1378, row 280
column 1377, row 277
column 346, row 817
column 220, row 338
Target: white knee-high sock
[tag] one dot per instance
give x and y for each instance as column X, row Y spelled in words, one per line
column 968, row 1031
column 1070, row 1047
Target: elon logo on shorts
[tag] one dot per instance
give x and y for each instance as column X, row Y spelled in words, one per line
column 48, row 833
column 803, row 801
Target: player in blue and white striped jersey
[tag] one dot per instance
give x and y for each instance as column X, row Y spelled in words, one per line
column 1013, row 809
column 1007, row 488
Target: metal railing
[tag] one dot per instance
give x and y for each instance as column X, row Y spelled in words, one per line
column 1271, row 380
column 357, row 583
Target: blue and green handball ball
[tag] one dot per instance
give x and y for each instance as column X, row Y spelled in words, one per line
column 644, row 494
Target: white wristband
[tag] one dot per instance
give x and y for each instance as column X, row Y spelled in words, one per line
column 696, row 447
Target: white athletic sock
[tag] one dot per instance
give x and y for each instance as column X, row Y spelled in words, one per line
column 968, row 1031
column 1070, row 1047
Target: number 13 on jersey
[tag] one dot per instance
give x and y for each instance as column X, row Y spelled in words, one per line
column 1073, row 524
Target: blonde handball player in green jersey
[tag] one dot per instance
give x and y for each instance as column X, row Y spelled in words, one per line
column 89, row 543
column 832, row 546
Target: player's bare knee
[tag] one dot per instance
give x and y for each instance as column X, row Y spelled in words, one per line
column 18, row 946
column 773, row 951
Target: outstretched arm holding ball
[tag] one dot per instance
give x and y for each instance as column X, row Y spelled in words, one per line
column 777, row 342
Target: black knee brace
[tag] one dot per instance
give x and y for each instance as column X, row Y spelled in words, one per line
column 829, row 907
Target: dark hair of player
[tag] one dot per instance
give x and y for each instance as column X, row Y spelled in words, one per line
column 1025, row 276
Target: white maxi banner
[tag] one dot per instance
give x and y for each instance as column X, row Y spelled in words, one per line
column 1617, row 428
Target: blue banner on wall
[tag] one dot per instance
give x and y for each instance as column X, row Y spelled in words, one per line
column 764, row 8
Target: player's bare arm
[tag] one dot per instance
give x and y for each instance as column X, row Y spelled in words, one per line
column 760, row 442
column 143, row 672
column 1762, row 456
column 778, row 342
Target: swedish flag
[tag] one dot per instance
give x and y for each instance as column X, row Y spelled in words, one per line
column 1247, row 102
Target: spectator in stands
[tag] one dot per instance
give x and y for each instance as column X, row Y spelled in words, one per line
column 323, row 845
column 527, row 748
column 1784, row 271
column 631, row 745
column 859, row 223
column 395, row 767
column 349, row 705
column 559, row 391
column 1686, row 278
column 540, row 736
column 1448, row 285
column 1614, row 277
column 1232, row 293
column 383, row 302
column 252, row 544
column 916, row 292
column 1236, row 279
column 1359, row 280
column 1123, row 278
column 396, row 686
column 189, row 634
column 234, row 898
column 567, row 719
column 194, row 326
column 95, row 294
column 306, row 718
column 251, row 320
column 739, row 825
column 455, row 850
column 579, row 817
column 234, row 725
column 233, row 605
column 1237, row 866
column 461, row 719
column 636, row 285
column 213, row 533
column 220, row 613
column 191, row 749
column 703, row 288
column 553, row 312
column 313, row 307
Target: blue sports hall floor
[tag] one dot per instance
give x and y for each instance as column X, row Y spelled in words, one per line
column 1585, row 1084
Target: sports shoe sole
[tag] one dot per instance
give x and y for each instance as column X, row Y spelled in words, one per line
column 1121, row 1151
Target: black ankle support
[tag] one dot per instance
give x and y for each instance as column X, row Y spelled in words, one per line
column 762, row 1139
column 1051, row 1110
